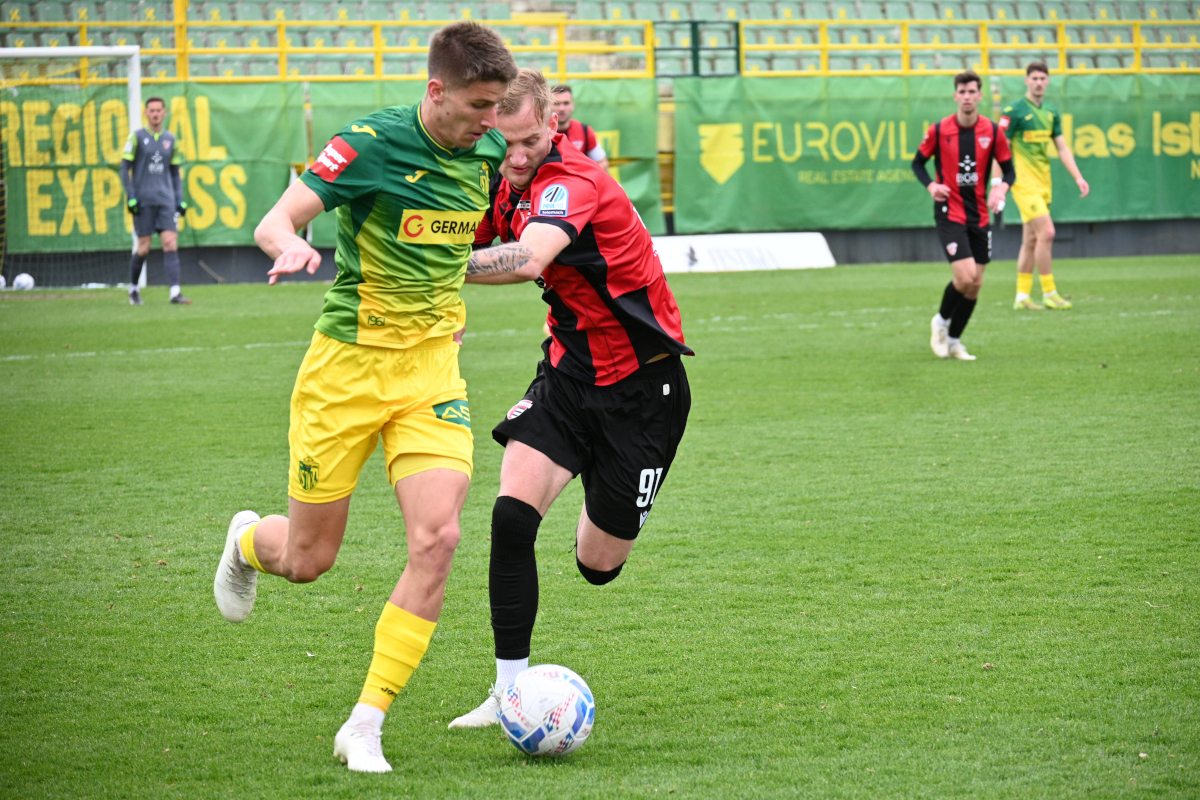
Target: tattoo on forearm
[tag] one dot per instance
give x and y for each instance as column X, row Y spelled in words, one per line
column 499, row 260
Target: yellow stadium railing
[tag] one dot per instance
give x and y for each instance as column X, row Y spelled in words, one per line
column 561, row 49
column 897, row 41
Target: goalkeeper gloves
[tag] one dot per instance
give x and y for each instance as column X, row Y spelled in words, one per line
column 133, row 206
column 182, row 207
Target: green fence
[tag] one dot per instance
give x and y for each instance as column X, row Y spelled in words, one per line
column 778, row 154
column 62, row 150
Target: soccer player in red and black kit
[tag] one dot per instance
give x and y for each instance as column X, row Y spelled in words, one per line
column 963, row 146
column 576, row 132
column 610, row 400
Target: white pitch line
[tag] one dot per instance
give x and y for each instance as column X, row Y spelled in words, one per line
column 155, row 351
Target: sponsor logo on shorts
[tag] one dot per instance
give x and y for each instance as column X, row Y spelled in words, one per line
column 308, row 473
column 334, row 159
column 438, row 227
column 520, row 408
column 554, row 200
column 642, row 519
column 952, row 248
column 455, row 411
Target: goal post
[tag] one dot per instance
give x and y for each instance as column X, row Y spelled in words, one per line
column 59, row 100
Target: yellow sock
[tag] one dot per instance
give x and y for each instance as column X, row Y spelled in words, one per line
column 1024, row 282
column 401, row 639
column 247, row 545
column 1047, row 284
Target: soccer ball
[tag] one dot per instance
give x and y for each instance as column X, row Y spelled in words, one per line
column 547, row 711
column 23, row 281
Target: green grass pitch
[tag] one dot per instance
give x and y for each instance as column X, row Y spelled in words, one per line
column 852, row 533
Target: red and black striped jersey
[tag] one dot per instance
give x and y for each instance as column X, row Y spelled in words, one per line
column 611, row 310
column 964, row 162
column 582, row 136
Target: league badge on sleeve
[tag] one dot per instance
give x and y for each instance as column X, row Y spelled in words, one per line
column 554, row 201
column 334, row 159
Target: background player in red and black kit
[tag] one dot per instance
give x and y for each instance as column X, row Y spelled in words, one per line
column 576, row 132
column 963, row 146
column 611, row 398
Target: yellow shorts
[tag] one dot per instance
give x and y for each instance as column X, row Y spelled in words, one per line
column 1032, row 198
column 348, row 395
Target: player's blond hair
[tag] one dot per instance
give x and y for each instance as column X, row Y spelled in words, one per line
column 466, row 52
column 528, row 85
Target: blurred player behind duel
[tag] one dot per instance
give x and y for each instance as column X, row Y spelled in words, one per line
column 963, row 145
column 576, row 132
column 1031, row 124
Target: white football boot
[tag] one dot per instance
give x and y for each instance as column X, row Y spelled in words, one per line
column 939, row 338
column 959, row 351
column 360, row 747
column 487, row 714
column 236, row 583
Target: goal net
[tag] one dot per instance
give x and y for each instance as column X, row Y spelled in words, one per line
column 65, row 113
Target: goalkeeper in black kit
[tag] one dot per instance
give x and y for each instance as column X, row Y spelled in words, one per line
column 150, row 174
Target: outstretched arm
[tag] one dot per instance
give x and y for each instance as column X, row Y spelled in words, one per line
column 276, row 234
column 521, row 261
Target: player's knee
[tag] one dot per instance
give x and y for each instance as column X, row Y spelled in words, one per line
column 436, row 543
column 1047, row 234
column 143, row 249
column 514, row 526
column 306, row 569
column 598, row 577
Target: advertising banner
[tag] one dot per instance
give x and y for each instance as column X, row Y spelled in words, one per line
column 62, row 149
column 778, row 154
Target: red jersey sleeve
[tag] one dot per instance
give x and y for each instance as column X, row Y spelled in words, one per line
column 564, row 200
column 485, row 232
column 1001, row 151
column 929, row 144
column 589, row 140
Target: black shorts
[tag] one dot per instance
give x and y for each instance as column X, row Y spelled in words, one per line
column 961, row 241
column 153, row 219
column 622, row 438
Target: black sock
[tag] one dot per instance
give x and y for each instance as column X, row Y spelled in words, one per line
column 950, row 300
column 513, row 579
column 171, row 264
column 962, row 313
column 135, row 270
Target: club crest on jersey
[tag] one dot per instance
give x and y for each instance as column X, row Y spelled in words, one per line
column 984, row 141
column 308, row 470
column 952, row 248
column 520, row 408
column 334, row 159
column 553, row 202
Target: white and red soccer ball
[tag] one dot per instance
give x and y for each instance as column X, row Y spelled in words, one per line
column 547, row 711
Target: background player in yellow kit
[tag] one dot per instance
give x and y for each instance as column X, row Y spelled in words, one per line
column 410, row 185
column 1031, row 124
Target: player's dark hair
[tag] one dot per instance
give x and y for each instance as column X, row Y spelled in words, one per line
column 562, row 88
column 528, row 85
column 963, row 78
column 466, row 52
column 1037, row 66
column 150, row 100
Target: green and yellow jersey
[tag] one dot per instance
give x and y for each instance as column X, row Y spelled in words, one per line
column 1031, row 129
column 407, row 209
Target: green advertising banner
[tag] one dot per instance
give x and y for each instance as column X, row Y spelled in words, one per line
column 62, row 150
column 779, row 154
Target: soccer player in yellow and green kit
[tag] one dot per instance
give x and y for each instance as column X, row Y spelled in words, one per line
column 410, row 185
column 1031, row 124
